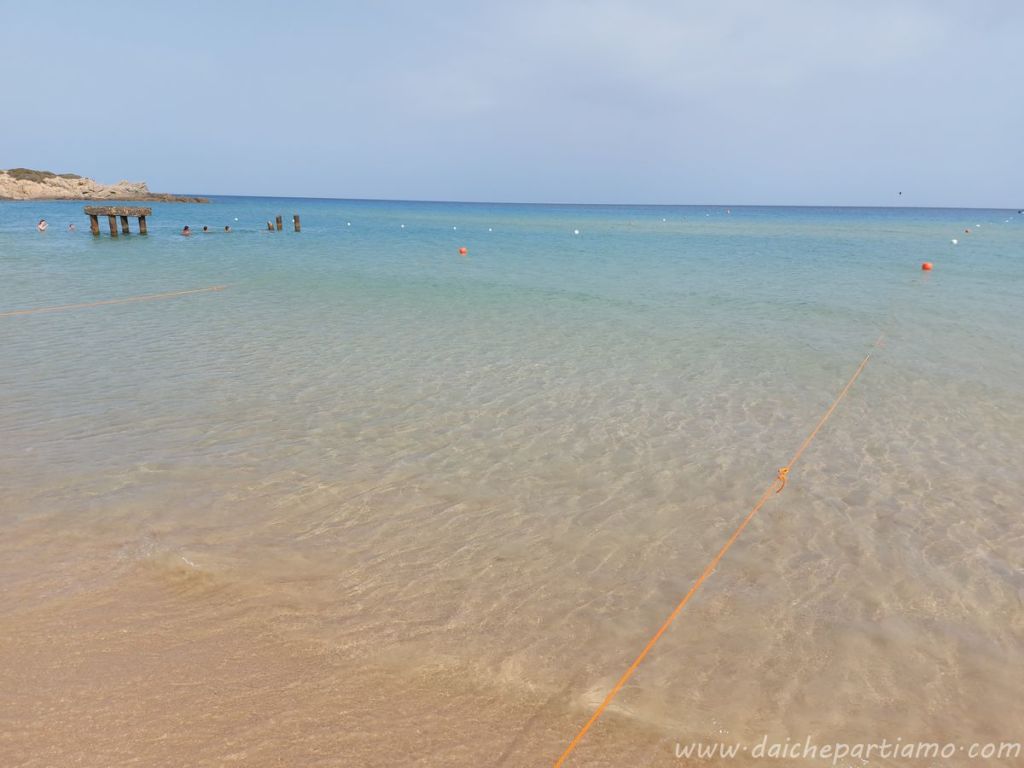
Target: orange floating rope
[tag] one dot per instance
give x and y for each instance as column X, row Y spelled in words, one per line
column 776, row 487
column 129, row 300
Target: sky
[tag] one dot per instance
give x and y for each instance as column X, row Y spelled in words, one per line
column 680, row 102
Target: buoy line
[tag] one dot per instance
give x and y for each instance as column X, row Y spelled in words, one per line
column 773, row 489
column 105, row 302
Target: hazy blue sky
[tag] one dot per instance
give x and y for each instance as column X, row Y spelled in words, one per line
column 676, row 102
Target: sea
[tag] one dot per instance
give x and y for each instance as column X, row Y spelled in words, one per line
column 379, row 502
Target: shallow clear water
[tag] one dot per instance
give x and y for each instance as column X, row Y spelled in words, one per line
column 453, row 496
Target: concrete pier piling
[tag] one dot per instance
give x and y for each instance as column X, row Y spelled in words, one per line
column 277, row 225
column 113, row 213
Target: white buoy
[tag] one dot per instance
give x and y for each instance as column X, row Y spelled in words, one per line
column 402, row 226
column 575, row 231
column 348, row 223
column 454, row 227
column 491, row 230
column 954, row 241
column 236, row 218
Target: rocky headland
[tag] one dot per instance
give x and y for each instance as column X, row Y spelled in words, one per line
column 26, row 184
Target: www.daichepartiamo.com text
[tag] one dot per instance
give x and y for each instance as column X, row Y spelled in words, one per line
column 834, row 752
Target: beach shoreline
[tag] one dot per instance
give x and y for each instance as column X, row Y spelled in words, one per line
column 383, row 502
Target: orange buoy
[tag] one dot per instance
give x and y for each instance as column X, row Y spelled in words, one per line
column 926, row 266
column 463, row 251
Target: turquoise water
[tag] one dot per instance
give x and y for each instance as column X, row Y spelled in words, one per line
column 509, row 466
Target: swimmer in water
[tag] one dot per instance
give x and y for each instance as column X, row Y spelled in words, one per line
column 185, row 231
column 41, row 226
